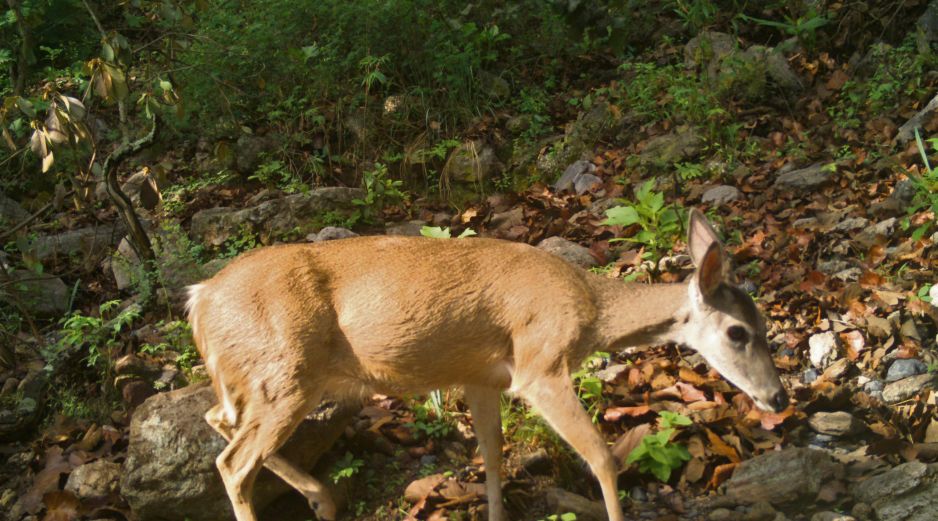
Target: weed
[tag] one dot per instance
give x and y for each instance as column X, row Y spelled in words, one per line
column 346, row 467
column 656, row 453
column 98, row 334
column 926, row 191
column 589, row 387
column 568, row 516
column 660, row 224
column 436, row 232
column 380, row 191
column 239, row 243
column 431, row 418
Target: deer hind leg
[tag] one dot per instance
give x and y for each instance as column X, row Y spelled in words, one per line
column 316, row 494
column 483, row 403
column 262, row 428
column 553, row 397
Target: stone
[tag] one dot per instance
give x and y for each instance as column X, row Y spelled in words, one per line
column 761, row 511
column 904, row 368
column 884, row 228
column 271, row 218
column 832, row 516
column 907, row 492
column 804, row 179
column 822, row 349
column 907, row 387
column 472, row 162
column 572, row 173
column 560, row 501
column 568, row 251
column 707, row 50
column 135, row 391
column 837, row 370
column 851, row 223
column 518, row 124
column 840, row 423
column 928, row 22
column 406, row 228
column 810, row 375
column 125, row 265
column 782, row 476
column 170, row 473
column 722, row 514
column 578, row 142
column 11, row 213
column 538, row 462
column 906, row 132
column 88, row 245
column 97, row 479
column 721, row 195
column 249, row 151
column 668, row 149
column 142, row 190
column 897, row 202
column 41, row 295
column 332, row 233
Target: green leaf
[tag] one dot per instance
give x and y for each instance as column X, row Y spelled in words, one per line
column 621, row 216
column 468, row 232
column 670, row 419
column 435, row 232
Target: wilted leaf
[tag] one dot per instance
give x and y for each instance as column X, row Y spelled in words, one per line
column 628, row 441
column 47, row 480
column 616, row 413
column 720, row 447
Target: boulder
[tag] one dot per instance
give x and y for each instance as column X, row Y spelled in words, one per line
column 142, row 190
column 472, row 162
column 572, row 173
column 721, row 195
column 45, row 296
column 568, row 251
column 88, row 245
column 11, row 213
column 804, row 179
column 680, row 145
column 560, row 501
column 331, row 233
column 782, row 476
column 907, row 387
column 170, row 473
column 93, row 480
column 928, row 22
column 908, row 492
column 250, row 149
column 273, row 217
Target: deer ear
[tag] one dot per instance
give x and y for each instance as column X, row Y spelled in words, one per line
column 710, row 270
column 700, row 236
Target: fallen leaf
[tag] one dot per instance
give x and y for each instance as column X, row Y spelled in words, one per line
column 720, row 447
column 47, row 480
column 720, row 474
column 616, row 413
column 627, row 443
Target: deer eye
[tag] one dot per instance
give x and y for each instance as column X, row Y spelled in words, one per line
column 737, row 334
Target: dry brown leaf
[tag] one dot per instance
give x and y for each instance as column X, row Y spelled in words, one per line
column 616, row 413
column 662, row 381
column 693, row 377
column 689, row 393
column 627, row 443
column 720, row 474
column 720, row 447
column 60, row 506
column 694, row 470
column 47, row 480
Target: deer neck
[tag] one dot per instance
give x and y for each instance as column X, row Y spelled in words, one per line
column 633, row 314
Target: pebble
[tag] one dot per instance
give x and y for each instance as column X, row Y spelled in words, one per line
column 904, row 368
column 810, row 375
column 907, row 387
column 721, row 514
column 832, row 516
column 822, row 349
column 761, row 511
column 638, row 494
column 839, row 423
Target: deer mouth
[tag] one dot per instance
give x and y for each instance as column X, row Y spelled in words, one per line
column 776, row 403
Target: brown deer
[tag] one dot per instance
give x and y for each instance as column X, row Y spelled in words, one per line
column 282, row 327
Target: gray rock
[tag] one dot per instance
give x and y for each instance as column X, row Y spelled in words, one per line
column 897, row 202
column 250, row 149
column 587, row 183
column 780, row 71
column 573, row 172
column 883, row 228
column 904, row 368
column 722, row 514
column 472, row 162
column 840, row 423
column 907, row 492
column 560, row 501
column 804, row 179
column 332, row 233
column 42, row 295
column 782, row 476
column 907, row 387
column 822, row 349
column 851, row 223
column 928, row 22
column 538, row 462
column 761, row 511
column 810, row 375
column 87, row 245
column 11, row 213
column 170, row 473
column 671, row 148
column 707, row 50
column 125, row 266
column 406, row 228
column 906, row 132
column 578, row 141
column 721, row 195
column 275, row 217
column 568, row 251
column 94, row 480
column 832, row 516
column 142, row 190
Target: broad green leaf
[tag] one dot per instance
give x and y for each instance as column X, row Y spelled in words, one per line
column 468, row 232
column 435, row 232
column 621, row 216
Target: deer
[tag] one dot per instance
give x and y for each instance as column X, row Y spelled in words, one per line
column 281, row 328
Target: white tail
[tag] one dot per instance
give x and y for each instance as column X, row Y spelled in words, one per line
column 282, row 327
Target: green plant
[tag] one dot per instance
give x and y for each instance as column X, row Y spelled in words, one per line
column 346, row 467
column 568, row 516
column 660, row 224
column 436, row 232
column 926, row 191
column 589, row 387
column 803, row 27
column 431, row 418
column 239, row 243
column 274, row 173
column 380, row 191
column 696, row 14
column 99, row 334
column 657, row 454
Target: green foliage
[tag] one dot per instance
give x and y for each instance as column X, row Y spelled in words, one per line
column 660, row 223
column 178, row 338
column 657, row 454
column 346, row 467
column 431, row 418
column 589, row 387
column 239, row 243
column 97, row 334
column 568, row 516
column 926, row 190
column 275, row 174
column 380, row 191
column 435, row 232
column 803, row 26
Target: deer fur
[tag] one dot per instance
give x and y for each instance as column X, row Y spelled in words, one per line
column 282, row 327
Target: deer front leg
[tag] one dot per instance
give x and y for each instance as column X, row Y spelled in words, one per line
column 553, row 397
column 483, row 403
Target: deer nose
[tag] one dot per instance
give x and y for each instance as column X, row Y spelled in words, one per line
column 779, row 401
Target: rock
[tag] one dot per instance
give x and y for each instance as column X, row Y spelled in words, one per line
column 670, row 148
column 249, row 150
column 721, row 195
column 904, row 368
column 11, row 213
column 573, row 172
column 837, row 370
column 862, row 511
column 518, row 124
column 568, row 251
column 897, row 202
column 782, row 476
column 135, row 391
column 907, row 387
column 822, row 349
column 142, row 190
column 722, row 514
column 832, row 516
column 874, row 388
column 851, row 223
column 810, row 375
column 472, row 162
column 97, row 479
column 578, row 141
column 492, row 85
column 537, row 462
column 840, row 423
column 88, row 245
column 331, row 233
column 170, row 473
column 271, row 218
column 869, row 236
column 928, row 22
column 559, row 501
column 906, row 132
column 707, row 50
column 780, row 71
column 407, row 228
column 45, row 296
column 804, row 179
column 125, row 266
column 761, row 511
column 19, row 415
column 907, row 492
